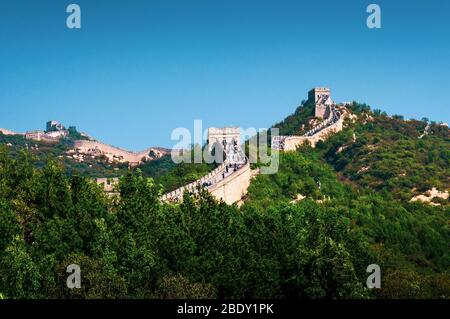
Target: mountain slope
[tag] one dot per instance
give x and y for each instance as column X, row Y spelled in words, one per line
column 309, row 231
column 369, row 173
column 400, row 159
column 80, row 155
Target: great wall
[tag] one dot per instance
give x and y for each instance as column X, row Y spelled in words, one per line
column 113, row 153
column 8, row 132
column 89, row 147
column 333, row 124
column 229, row 182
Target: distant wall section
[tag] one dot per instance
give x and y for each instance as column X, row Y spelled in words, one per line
column 292, row 142
column 234, row 187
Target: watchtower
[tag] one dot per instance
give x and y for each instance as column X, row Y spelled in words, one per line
column 321, row 97
column 222, row 136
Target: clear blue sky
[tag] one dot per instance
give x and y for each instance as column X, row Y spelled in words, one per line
column 137, row 69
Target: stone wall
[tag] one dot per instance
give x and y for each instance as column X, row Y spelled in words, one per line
column 177, row 195
column 315, row 93
column 87, row 147
column 230, row 189
column 108, row 184
column 321, row 97
column 292, row 142
column 8, row 132
column 321, row 111
column 228, row 134
column 41, row 137
column 222, row 183
column 234, row 187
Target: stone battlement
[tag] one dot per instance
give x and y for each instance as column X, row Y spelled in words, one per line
column 8, row 132
column 112, row 152
column 325, row 109
column 231, row 187
column 42, row 137
column 221, row 135
column 323, row 130
column 229, row 181
column 321, row 97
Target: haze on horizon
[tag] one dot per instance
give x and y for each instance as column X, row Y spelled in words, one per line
column 139, row 69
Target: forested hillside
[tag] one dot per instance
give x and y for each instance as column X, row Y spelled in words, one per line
column 369, row 173
column 394, row 157
column 408, row 240
column 308, row 231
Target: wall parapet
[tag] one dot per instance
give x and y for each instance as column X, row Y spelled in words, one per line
column 85, row 146
column 332, row 124
column 213, row 176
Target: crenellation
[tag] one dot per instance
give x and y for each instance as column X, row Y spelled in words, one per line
column 230, row 180
column 321, row 97
column 325, row 109
column 112, row 153
column 232, row 187
column 228, row 135
column 54, row 132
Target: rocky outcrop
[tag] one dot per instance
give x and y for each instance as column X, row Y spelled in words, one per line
column 429, row 195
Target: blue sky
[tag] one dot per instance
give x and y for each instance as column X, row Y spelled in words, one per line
column 138, row 69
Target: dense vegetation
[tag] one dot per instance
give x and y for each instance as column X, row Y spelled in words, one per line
column 134, row 246
column 137, row 247
column 308, row 231
column 163, row 170
column 391, row 156
column 408, row 240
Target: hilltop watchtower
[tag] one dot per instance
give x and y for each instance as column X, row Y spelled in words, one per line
column 321, row 97
column 54, row 126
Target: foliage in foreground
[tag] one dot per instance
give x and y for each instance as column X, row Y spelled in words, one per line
column 133, row 246
column 408, row 240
